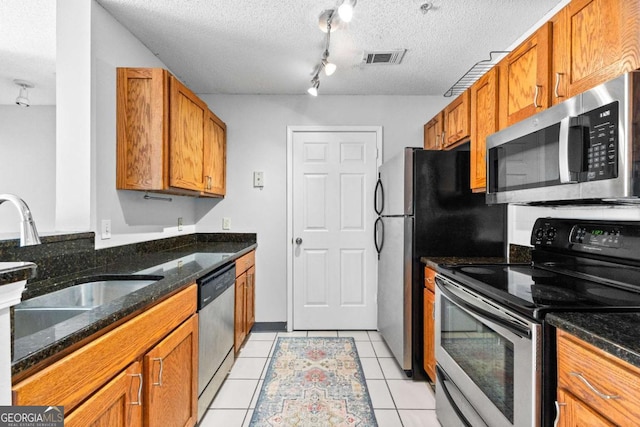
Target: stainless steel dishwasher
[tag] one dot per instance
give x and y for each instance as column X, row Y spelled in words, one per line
column 216, row 295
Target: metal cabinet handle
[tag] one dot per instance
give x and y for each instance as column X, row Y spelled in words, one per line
column 442, row 140
column 159, row 359
column 557, row 419
column 139, row 402
column 555, row 90
column 535, row 96
column 298, row 241
column 593, row 389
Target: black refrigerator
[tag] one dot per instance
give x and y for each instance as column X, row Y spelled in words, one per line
column 425, row 208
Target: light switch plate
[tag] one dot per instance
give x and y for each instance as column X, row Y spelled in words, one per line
column 106, row 229
column 180, row 223
column 226, row 223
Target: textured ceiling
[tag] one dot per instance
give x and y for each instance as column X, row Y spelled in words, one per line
column 273, row 47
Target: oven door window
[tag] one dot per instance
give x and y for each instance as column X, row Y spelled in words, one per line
column 485, row 356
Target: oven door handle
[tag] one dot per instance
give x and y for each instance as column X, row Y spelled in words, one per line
column 511, row 327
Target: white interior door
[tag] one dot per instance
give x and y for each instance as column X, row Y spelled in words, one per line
column 334, row 257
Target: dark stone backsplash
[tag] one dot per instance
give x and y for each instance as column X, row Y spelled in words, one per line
column 61, row 258
column 519, row 254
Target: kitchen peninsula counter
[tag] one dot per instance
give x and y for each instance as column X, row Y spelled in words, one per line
column 179, row 267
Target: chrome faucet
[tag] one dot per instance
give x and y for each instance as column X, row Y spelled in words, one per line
column 28, row 233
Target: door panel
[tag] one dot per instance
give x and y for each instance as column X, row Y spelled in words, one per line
column 334, row 265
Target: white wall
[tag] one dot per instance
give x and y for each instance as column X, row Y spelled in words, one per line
column 257, row 141
column 133, row 219
column 28, row 152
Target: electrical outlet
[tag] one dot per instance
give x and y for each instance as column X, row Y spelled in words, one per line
column 179, row 223
column 106, row 229
column 226, row 223
column 258, row 179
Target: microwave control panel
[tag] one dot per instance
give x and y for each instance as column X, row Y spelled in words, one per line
column 601, row 146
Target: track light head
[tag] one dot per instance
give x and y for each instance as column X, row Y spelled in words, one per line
column 23, row 97
column 315, row 84
column 345, row 10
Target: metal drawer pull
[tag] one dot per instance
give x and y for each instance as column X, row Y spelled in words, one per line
column 139, row 402
column 593, row 389
column 535, row 97
column 558, row 405
column 159, row 359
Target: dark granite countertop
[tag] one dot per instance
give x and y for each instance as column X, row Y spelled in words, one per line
column 179, row 268
column 11, row 272
column 615, row 333
column 434, row 261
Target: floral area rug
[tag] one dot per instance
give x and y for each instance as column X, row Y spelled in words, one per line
column 314, row 382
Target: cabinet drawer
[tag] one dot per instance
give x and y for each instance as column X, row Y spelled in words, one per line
column 580, row 362
column 430, row 279
column 245, row 262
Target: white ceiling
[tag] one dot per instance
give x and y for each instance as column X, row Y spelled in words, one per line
column 273, row 47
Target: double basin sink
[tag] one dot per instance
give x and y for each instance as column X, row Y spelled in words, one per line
column 39, row 313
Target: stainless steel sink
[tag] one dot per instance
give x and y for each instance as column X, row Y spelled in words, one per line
column 42, row 312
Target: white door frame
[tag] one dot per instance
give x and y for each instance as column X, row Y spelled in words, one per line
column 290, row 131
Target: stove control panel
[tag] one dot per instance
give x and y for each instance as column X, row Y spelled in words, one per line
column 618, row 239
column 603, row 236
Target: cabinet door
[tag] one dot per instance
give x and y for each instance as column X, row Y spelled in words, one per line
column 240, row 313
column 117, row 404
column 524, row 78
column 484, row 122
column 429, row 361
column 433, row 133
column 215, row 152
column 186, row 138
column 142, row 128
column 602, row 42
column 171, row 375
column 575, row 413
column 456, row 120
column 250, row 299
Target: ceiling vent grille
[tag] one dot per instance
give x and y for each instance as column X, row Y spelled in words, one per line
column 388, row 57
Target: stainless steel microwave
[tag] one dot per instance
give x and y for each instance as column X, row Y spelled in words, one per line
column 585, row 148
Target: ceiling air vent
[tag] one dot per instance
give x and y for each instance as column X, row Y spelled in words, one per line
column 384, row 57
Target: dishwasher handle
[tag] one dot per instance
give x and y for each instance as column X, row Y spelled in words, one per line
column 214, row 284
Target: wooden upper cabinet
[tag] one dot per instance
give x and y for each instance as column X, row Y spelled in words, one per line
column 142, row 123
column 457, row 120
column 596, row 41
column 168, row 140
column 215, row 153
column 484, row 122
column 186, row 142
column 433, row 132
column 524, row 78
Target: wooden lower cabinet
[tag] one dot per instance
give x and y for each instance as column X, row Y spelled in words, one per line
column 142, row 373
column 117, row 404
column 244, row 315
column 429, row 301
column 595, row 388
column 574, row 413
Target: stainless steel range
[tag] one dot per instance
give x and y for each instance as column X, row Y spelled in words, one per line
column 495, row 353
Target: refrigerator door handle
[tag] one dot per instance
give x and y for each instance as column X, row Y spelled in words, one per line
column 379, row 190
column 378, row 225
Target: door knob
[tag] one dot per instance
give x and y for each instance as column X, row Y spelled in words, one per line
column 298, row 241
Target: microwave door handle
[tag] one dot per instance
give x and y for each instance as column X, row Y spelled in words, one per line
column 563, row 151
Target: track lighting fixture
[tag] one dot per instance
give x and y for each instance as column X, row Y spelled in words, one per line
column 315, row 84
column 345, row 10
column 327, row 25
column 23, row 97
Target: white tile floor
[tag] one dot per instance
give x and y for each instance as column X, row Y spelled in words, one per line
column 397, row 401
